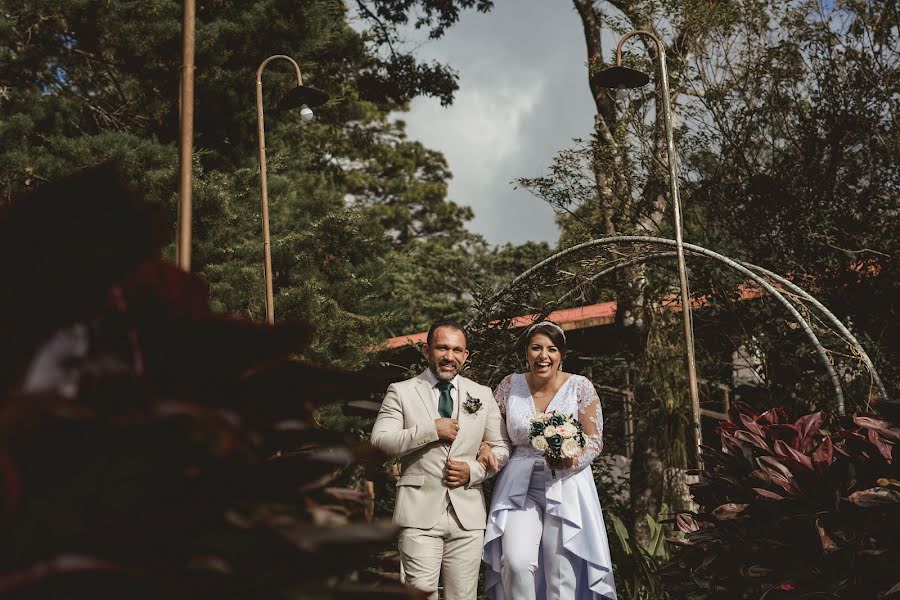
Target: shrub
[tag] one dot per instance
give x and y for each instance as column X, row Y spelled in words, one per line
column 789, row 510
column 149, row 449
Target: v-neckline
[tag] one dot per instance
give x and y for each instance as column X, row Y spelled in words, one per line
column 534, row 409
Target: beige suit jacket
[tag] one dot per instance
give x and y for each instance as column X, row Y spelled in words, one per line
column 405, row 429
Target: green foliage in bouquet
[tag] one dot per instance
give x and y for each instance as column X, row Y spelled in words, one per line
column 149, row 449
column 788, row 509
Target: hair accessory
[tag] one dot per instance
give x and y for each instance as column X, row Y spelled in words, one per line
column 548, row 324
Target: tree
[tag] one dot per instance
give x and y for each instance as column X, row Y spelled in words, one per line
column 776, row 106
column 84, row 81
column 619, row 189
column 812, row 91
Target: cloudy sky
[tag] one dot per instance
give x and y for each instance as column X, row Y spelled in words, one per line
column 522, row 97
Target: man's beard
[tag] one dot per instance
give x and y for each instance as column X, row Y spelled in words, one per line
column 443, row 376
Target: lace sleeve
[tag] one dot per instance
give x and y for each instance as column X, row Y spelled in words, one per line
column 501, row 394
column 590, row 415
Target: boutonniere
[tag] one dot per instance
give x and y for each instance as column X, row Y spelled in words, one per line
column 472, row 404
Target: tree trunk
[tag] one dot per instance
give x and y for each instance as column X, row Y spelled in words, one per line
column 614, row 198
column 647, row 471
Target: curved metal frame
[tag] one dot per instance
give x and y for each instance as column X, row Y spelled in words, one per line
column 612, row 269
column 746, row 269
column 851, row 339
column 263, row 183
column 832, row 319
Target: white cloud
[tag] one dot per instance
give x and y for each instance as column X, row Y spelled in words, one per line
column 522, row 97
column 481, row 128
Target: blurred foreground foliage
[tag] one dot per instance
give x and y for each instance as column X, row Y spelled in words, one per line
column 149, row 448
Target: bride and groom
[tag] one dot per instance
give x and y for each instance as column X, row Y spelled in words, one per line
column 543, row 537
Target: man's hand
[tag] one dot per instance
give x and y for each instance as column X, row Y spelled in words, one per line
column 457, row 473
column 446, row 428
column 488, row 459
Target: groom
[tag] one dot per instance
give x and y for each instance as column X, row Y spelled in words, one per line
column 434, row 424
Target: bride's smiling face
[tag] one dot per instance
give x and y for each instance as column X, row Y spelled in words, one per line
column 543, row 355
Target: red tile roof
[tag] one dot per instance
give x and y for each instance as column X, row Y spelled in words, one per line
column 580, row 317
column 569, row 318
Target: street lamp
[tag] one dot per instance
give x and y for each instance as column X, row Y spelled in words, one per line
column 305, row 98
column 620, row 77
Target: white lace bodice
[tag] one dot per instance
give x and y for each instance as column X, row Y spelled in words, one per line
column 576, row 397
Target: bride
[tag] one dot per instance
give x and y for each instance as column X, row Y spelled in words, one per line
column 545, row 535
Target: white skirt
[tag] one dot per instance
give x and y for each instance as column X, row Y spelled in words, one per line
column 574, row 500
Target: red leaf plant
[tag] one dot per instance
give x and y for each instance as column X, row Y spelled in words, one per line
column 790, row 510
column 149, row 449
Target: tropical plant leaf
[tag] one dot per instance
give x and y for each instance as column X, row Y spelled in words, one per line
column 874, row 497
column 782, row 529
column 729, row 511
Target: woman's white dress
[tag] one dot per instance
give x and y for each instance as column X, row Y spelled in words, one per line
column 571, row 496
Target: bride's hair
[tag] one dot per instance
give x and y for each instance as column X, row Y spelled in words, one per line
column 551, row 330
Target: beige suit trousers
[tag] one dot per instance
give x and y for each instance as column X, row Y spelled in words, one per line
column 424, row 551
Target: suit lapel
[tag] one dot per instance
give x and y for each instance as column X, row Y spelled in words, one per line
column 424, row 390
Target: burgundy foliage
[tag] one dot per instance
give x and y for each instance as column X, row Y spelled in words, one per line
column 790, row 510
column 149, row 449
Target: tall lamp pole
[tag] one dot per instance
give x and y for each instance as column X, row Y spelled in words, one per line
column 302, row 97
column 186, row 138
column 622, row 77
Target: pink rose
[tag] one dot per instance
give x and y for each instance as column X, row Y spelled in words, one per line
column 562, row 430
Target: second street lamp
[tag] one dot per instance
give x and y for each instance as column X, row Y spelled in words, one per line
column 620, row 77
column 305, row 98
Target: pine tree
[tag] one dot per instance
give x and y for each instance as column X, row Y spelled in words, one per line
column 84, row 81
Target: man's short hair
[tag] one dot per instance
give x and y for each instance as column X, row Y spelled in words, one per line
column 445, row 323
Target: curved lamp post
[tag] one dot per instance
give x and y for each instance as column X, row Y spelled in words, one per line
column 305, row 98
column 620, row 77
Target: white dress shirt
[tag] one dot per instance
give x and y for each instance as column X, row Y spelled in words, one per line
column 436, row 393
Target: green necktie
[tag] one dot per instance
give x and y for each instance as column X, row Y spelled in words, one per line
column 445, row 402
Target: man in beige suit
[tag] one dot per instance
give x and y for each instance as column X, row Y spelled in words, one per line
column 434, row 424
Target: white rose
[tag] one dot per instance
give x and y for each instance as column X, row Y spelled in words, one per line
column 571, row 430
column 550, row 431
column 570, row 448
column 540, row 444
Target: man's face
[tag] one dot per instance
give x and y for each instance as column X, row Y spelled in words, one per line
column 447, row 353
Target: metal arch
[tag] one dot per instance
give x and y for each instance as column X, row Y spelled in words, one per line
column 823, row 355
column 832, row 319
column 612, row 269
column 829, row 316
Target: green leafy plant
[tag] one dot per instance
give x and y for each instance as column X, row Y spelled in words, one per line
column 635, row 566
column 790, row 510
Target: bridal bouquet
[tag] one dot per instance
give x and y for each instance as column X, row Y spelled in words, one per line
column 557, row 437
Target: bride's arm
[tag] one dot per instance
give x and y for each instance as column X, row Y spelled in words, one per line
column 590, row 415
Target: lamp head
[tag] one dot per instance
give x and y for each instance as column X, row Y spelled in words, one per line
column 301, row 96
column 306, row 113
column 621, row 78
